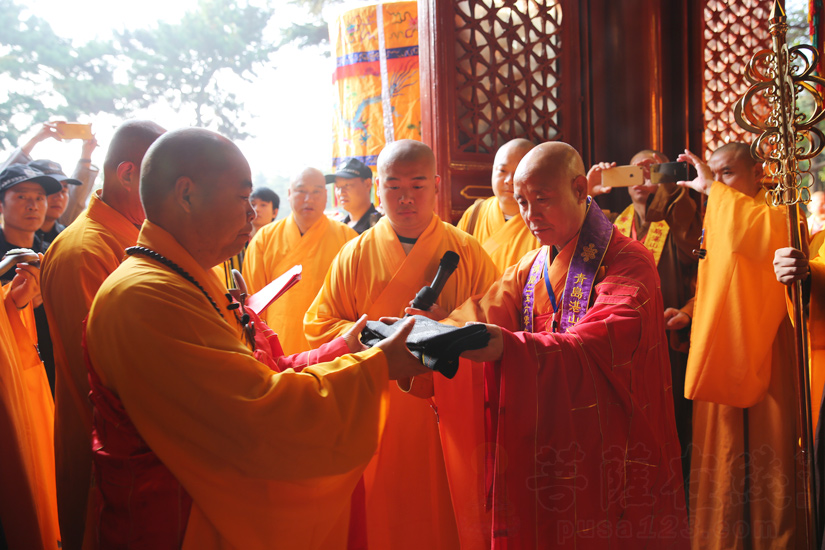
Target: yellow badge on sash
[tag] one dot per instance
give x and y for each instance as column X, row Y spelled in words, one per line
column 656, row 234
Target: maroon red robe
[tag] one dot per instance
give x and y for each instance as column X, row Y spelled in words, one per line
column 587, row 454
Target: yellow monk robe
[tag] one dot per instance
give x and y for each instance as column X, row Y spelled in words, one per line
column 407, row 495
column 278, row 247
column 742, row 355
column 75, row 265
column 269, row 459
column 506, row 241
column 816, row 324
column 28, row 505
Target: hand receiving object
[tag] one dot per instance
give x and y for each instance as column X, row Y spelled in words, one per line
column 437, row 346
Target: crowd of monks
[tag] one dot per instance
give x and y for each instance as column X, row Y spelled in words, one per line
column 636, row 390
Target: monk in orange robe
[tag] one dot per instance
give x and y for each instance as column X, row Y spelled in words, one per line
column 740, row 370
column 306, row 237
column 496, row 222
column 197, row 443
column 408, row 487
column 586, row 451
column 76, row 264
column 28, row 505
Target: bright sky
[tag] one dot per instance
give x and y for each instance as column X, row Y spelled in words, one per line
column 292, row 103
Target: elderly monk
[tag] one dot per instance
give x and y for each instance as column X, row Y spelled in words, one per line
column 77, row 263
column 196, row 442
column 496, row 222
column 306, row 237
column 407, row 494
column 740, row 369
column 28, row 505
column 668, row 221
column 586, row 455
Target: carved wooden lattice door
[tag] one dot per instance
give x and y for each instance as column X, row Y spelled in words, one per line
column 494, row 70
column 734, row 30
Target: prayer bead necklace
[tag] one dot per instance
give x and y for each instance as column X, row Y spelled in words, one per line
column 132, row 250
column 247, row 327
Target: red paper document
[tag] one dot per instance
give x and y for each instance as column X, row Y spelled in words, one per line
column 274, row 290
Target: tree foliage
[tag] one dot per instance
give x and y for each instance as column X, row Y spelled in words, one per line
column 189, row 62
column 44, row 75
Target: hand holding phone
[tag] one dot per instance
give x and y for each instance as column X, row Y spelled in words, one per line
column 623, row 176
column 73, row 130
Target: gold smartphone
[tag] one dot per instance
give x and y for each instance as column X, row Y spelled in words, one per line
column 623, row 176
column 74, row 130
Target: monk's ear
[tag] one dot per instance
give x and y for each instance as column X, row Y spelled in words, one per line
column 437, row 183
column 580, row 188
column 129, row 175
column 184, row 187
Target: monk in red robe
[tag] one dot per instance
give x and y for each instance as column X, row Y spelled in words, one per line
column 586, row 451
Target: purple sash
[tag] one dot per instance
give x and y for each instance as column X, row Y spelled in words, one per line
column 591, row 246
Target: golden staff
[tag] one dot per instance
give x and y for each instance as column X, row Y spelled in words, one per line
column 786, row 138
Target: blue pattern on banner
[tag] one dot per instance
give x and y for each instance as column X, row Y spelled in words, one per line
column 369, row 160
column 366, row 57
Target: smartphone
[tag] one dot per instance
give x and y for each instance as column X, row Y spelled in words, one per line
column 74, row 130
column 623, row 176
column 668, row 172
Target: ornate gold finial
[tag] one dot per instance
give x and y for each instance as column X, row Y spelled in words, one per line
column 787, row 139
column 777, row 13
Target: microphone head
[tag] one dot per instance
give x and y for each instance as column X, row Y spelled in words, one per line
column 449, row 261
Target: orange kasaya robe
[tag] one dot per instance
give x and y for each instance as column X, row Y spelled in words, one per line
column 506, row 241
column 75, row 265
column 278, row 247
column 408, row 487
column 740, row 376
column 268, row 458
column 28, row 505
column 816, row 324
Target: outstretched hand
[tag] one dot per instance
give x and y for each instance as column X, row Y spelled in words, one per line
column 25, row 287
column 676, row 319
column 46, row 131
column 353, row 336
column 594, row 179
column 492, row 351
column 401, row 363
column 704, row 177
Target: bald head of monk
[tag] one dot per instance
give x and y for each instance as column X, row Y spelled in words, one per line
column 407, row 186
column 551, row 191
column 121, row 168
column 307, row 196
column 639, row 194
column 733, row 165
column 504, row 168
column 195, row 184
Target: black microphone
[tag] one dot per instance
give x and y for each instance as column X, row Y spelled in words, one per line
column 427, row 296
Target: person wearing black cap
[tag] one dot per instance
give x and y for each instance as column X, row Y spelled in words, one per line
column 23, row 192
column 353, row 185
column 57, row 202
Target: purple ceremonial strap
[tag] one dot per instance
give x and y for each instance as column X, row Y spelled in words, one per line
column 591, row 247
column 584, row 265
column 528, row 296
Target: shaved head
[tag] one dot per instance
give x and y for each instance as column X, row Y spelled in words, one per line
column 551, row 191
column 307, row 197
column 129, row 144
column 733, row 165
column 406, row 151
column 191, row 152
column 504, row 168
column 552, row 160
column 645, row 154
column 408, row 186
column 195, row 184
column 121, row 169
